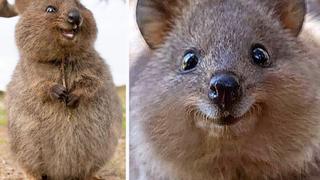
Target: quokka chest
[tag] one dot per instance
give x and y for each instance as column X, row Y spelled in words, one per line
column 70, row 74
column 65, row 72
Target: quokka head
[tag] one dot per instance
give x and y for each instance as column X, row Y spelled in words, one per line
column 54, row 28
column 226, row 68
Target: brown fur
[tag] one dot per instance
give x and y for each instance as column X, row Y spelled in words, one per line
column 61, row 139
column 173, row 134
column 21, row 5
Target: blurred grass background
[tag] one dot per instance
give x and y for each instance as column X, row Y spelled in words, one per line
column 3, row 121
column 122, row 94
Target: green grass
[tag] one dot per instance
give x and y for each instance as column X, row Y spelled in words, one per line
column 121, row 92
column 3, row 121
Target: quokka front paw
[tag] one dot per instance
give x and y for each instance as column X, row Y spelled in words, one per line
column 58, row 92
column 73, row 100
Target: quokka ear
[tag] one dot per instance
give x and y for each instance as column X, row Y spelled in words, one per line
column 155, row 19
column 291, row 13
column 7, row 10
column 21, row 5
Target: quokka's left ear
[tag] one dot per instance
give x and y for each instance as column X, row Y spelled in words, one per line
column 7, row 10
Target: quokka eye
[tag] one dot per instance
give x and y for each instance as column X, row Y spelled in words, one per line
column 260, row 55
column 51, row 9
column 190, row 60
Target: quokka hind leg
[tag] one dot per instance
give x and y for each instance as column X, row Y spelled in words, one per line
column 31, row 176
column 96, row 178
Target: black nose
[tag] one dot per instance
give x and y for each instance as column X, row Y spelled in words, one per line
column 224, row 90
column 74, row 17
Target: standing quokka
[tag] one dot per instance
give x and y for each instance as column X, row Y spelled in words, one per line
column 231, row 91
column 64, row 113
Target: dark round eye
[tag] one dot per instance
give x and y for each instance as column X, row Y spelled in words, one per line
column 260, row 55
column 51, row 9
column 190, row 60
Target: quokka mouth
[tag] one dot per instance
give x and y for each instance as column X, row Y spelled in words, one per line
column 70, row 33
column 229, row 119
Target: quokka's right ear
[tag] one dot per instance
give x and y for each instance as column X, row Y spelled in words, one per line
column 155, row 19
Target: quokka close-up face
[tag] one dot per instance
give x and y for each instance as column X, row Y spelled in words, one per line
column 228, row 73
column 61, row 27
column 228, row 84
